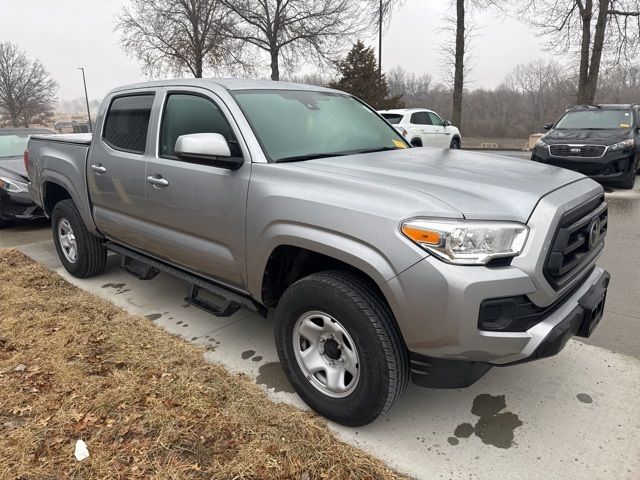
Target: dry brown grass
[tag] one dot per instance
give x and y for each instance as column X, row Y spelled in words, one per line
column 145, row 402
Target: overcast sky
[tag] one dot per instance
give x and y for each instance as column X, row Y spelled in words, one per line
column 67, row 34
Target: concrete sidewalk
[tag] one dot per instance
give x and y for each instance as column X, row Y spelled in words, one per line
column 574, row 416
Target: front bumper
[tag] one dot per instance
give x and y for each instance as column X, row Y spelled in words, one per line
column 18, row 206
column 614, row 166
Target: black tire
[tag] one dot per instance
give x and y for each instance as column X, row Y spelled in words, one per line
column 416, row 142
column 91, row 256
column 630, row 181
column 383, row 357
column 455, row 144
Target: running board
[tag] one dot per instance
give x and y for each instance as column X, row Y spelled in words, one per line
column 224, row 303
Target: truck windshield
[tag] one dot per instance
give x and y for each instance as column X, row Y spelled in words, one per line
column 596, row 119
column 13, row 145
column 295, row 125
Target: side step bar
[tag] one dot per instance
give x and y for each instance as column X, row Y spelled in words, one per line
column 226, row 302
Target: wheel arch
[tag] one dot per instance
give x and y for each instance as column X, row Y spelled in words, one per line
column 289, row 261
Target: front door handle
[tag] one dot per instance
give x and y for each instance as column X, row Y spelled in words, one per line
column 157, row 181
column 98, row 168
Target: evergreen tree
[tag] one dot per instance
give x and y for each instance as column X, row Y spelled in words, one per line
column 359, row 77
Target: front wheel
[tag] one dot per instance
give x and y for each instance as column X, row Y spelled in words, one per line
column 455, row 144
column 81, row 253
column 340, row 347
column 630, row 181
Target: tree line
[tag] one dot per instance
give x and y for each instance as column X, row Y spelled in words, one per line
column 247, row 37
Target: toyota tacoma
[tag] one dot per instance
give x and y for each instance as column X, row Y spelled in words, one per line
column 380, row 262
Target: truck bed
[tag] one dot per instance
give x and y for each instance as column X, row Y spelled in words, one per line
column 78, row 138
column 60, row 161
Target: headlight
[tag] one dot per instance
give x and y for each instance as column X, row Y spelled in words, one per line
column 623, row 145
column 467, row 242
column 540, row 144
column 13, row 186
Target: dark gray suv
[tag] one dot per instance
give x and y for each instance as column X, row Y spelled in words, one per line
column 600, row 141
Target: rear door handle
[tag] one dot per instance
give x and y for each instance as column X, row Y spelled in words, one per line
column 98, row 168
column 157, row 181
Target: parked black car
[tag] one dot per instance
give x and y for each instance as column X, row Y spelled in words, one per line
column 600, row 141
column 15, row 201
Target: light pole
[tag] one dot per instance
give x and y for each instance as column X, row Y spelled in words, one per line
column 380, row 57
column 86, row 97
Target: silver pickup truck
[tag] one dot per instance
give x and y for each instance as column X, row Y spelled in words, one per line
column 381, row 262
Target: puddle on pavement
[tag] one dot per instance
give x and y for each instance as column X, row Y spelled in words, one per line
column 153, row 316
column 118, row 287
column 272, row 376
column 493, row 427
column 247, row 354
column 584, row 398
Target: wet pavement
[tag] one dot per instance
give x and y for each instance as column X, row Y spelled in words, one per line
column 576, row 415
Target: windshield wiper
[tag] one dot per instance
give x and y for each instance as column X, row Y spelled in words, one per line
column 311, row 156
column 373, row 150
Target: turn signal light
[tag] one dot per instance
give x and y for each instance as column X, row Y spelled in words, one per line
column 418, row 235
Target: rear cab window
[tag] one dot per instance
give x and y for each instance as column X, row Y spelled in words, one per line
column 127, row 122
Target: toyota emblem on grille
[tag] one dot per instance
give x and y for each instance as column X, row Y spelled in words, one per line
column 575, row 150
column 594, row 233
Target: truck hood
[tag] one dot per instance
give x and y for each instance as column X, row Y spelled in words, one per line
column 14, row 166
column 479, row 186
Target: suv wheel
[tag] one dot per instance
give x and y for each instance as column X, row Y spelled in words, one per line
column 416, row 142
column 630, row 181
column 81, row 253
column 455, row 144
column 340, row 348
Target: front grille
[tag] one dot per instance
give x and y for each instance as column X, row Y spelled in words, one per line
column 578, row 241
column 583, row 151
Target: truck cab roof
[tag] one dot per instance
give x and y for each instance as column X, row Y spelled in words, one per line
column 231, row 84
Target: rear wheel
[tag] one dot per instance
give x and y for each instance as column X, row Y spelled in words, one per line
column 81, row 253
column 340, row 348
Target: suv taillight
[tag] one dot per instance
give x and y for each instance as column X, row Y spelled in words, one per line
column 25, row 157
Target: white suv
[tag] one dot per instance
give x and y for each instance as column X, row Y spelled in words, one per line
column 423, row 127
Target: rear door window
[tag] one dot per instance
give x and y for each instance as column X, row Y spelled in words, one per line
column 127, row 123
column 187, row 113
column 420, row 118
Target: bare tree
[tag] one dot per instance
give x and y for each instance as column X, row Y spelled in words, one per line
column 178, row 35
column 545, row 91
column 456, row 56
column 415, row 90
column 290, row 31
column 590, row 29
column 27, row 91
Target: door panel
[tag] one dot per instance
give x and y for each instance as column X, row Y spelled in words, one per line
column 117, row 164
column 442, row 139
column 197, row 218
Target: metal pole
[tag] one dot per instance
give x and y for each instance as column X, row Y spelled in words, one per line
column 86, row 97
column 380, row 58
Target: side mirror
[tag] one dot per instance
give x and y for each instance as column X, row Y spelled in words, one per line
column 211, row 147
column 447, row 123
column 548, row 126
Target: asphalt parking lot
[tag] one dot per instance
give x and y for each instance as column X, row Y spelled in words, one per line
column 576, row 415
